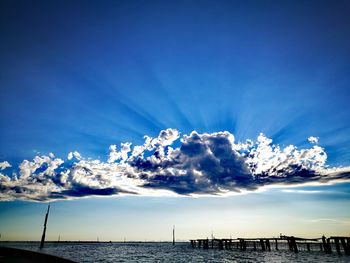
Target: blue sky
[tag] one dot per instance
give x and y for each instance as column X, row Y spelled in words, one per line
column 81, row 76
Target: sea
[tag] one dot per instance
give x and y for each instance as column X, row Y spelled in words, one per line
column 182, row 252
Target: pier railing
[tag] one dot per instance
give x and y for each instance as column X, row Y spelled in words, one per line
column 338, row 243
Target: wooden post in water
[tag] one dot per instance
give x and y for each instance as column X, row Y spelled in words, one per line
column 324, row 243
column 262, row 244
column 193, row 243
column 337, row 245
column 221, row 244
column 206, row 244
column 243, row 245
column 276, row 243
column 44, row 231
column 290, row 244
column 308, row 246
column 294, row 244
column 173, row 235
column 329, row 247
column 268, row 247
column 345, row 247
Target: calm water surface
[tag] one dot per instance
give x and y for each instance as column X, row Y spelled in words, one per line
column 165, row 252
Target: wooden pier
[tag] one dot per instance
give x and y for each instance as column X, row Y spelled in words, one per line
column 339, row 244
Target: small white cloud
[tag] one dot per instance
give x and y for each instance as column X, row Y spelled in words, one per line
column 301, row 191
column 72, row 155
column 313, row 139
column 4, row 165
column 330, row 220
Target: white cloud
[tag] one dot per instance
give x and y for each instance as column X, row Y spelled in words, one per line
column 207, row 163
column 294, row 191
column 4, row 165
column 313, row 139
column 329, row 220
column 122, row 155
column 72, row 155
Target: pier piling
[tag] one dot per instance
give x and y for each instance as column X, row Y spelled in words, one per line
column 345, row 247
column 276, row 243
column 221, row 244
column 294, row 245
column 206, row 244
column 268, row 247
column 337, row 245
column 325, row 245
column 329, row 247
column 262, row 244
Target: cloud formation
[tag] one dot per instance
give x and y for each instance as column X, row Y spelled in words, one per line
column 208, row 163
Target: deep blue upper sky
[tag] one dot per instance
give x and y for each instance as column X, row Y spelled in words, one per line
column 81, row 75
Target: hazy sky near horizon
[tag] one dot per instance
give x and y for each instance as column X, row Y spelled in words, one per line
column 232, row 96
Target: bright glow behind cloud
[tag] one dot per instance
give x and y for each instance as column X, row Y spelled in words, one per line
column 208, row 163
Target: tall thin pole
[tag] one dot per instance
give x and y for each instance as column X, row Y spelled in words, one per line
column 44, row 232
column 173, row 235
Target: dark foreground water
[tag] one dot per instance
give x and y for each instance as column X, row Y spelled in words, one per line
column 165, row 252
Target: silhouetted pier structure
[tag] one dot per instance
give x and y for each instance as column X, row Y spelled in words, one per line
column 291, row 243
